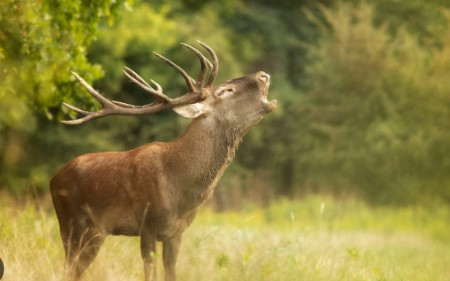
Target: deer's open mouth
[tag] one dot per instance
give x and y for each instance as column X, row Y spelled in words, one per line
column 269, row 105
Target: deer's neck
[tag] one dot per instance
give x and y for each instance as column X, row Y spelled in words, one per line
column 201, row 156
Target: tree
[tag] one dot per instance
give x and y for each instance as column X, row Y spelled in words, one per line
column 40, row 43
column 377, row 110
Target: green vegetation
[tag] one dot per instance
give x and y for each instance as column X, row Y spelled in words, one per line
column 318, row 239
column 362, row 84
column 378, row 109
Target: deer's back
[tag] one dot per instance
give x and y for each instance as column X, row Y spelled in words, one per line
column 113, row 188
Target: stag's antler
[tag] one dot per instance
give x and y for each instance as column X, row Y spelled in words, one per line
column 198, row 90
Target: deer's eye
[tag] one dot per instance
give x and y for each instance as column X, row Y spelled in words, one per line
column 225, row 92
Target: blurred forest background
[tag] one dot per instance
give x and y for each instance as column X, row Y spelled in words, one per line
column 363, row 90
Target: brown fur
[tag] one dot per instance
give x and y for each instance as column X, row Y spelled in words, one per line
column 155, row 190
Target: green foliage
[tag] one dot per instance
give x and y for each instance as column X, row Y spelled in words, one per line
column 362, row 89
column 411, row 14
column 40, row 43
column 377, row 107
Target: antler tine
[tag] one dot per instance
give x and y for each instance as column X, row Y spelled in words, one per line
column 76, row 109
column 125, row 105
column 186, row 77
column 106, row 104
column 135, row 78
column 215, row 64
column 77, row 121
column 101, row 99
column 204, row 65
column 130, row 73
column 88, row 115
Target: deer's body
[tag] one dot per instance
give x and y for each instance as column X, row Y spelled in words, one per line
column 167, row 180
column 155, row 190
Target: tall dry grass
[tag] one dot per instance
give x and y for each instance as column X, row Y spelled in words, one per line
column 315, row 239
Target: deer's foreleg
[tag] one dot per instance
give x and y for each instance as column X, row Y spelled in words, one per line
column 148, row 252
column 170, row 253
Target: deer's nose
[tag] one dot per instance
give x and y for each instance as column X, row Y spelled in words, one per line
column 264, row 77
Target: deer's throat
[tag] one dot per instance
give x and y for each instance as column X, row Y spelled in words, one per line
column 204, row 153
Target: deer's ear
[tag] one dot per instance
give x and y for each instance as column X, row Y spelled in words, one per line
column 191, row 111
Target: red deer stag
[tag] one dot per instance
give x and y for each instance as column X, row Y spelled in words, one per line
column 154, row 191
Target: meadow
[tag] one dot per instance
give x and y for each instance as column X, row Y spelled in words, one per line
column 318, row 238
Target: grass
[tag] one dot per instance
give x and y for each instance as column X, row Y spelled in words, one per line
column 315, row 239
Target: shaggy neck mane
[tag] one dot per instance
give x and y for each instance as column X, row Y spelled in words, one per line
column 203, row 153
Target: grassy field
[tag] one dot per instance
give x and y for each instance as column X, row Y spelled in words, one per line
column 315, row 239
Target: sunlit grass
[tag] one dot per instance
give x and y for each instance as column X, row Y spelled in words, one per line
column 315, row 239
